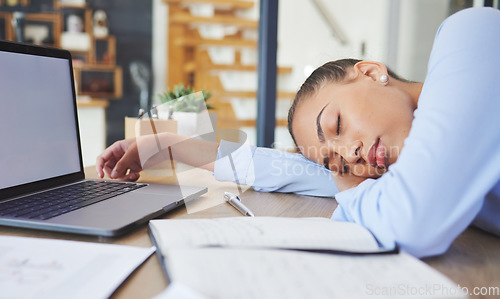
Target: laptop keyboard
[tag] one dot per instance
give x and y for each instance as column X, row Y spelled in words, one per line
column 56, row 202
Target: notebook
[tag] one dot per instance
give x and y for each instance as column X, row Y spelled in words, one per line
column 278, row 257
column 42, row 181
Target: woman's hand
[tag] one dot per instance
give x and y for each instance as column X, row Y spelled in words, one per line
column 125, row 159
column 120, row 161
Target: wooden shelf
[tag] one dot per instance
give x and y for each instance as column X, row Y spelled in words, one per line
column 92, row 103
column 186, row 18
column 228, row 4
column 59, row 5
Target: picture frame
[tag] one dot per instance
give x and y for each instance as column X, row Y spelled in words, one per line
column 6, row 30
column 76, row 24
column 84, row 14
column 42, row 29
column 105, row 50
column 99, row 81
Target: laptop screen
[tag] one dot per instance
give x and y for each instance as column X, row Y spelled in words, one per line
column 38, row 136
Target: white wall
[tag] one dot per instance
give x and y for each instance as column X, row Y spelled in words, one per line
column 419, row 21
column 305, row 40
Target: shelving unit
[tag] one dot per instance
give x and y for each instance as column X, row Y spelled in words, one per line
column 94, row 58
column 189, row 61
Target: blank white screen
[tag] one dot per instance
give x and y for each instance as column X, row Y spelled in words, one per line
column 38, row 130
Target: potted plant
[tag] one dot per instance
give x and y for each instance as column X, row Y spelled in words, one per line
column 189, row 109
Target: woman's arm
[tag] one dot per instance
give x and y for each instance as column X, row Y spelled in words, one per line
column 125, row 159
column 271, row 170
column 451, row 157
column 264, row 169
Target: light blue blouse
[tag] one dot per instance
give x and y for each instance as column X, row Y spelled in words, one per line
column 448, row 173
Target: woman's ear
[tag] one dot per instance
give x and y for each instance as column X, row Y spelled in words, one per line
column 371, row 69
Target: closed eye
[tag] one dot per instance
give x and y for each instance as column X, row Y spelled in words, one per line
column 343, row 169
column 326, row 162
column 338, row 125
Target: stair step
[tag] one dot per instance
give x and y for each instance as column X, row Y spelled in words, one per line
column 191, row 67
column 186, row 18
column 227, row 4
column 192, row 42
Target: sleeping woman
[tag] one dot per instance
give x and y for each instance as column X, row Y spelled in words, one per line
column 415, row 163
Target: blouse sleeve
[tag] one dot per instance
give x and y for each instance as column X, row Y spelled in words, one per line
column 270, row 170
column 451, row 158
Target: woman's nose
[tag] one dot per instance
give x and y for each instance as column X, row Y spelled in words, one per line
column 353, row 152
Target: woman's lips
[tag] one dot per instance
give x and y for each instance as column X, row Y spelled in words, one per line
column 376, row 155
column 380, row 155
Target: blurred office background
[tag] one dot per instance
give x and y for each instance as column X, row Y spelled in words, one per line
column 126, row 50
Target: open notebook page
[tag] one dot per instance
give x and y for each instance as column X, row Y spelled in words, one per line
column 238, row 273
column 274, row 232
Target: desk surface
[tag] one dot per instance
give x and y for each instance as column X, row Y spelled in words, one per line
column 473, row 260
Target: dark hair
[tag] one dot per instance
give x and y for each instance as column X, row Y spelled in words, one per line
column 333, row 71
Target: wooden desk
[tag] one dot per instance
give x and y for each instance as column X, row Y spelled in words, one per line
column 473, row 260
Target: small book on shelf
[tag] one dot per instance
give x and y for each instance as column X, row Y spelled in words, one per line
column 277, row 257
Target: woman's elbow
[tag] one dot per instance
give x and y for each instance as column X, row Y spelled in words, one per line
column 421, row 242
column 424, row 249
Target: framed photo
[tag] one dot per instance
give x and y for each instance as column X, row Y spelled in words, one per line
column 6, row 31
column 76, row 24
column 99, row 81
column 77, row 20
column 105, row 50
column 42, row 29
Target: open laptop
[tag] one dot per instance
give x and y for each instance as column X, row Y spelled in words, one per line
column 42, row 182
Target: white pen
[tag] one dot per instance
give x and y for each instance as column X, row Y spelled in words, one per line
column 235, row 201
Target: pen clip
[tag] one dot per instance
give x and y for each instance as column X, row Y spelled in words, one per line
column 228, row 196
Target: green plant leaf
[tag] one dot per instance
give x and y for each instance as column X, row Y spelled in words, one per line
column 188, row 103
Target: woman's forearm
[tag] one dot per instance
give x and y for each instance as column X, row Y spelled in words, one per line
column 188, row 150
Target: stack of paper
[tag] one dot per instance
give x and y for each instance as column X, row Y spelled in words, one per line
column 43, row 268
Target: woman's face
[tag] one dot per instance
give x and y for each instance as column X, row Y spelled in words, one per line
column 356, row 127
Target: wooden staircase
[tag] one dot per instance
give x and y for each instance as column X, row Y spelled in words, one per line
column 189, row 61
